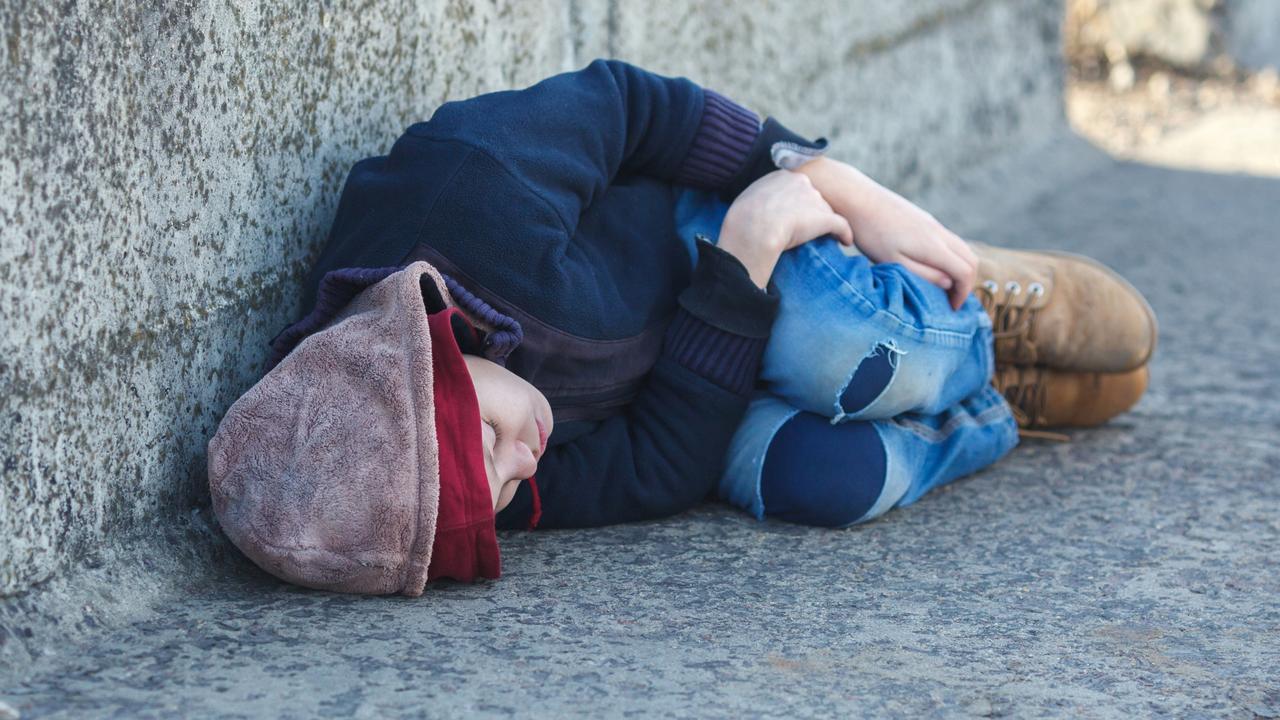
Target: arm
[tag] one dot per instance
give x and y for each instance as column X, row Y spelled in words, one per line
column 566, row 138
column 666, row 451
column 888, row 228
column 504, row 177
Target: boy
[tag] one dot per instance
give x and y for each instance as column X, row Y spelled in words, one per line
column 613, row 249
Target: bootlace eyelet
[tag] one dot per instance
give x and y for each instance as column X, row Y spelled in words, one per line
column 1013, row 287
column 1035, row 289
column 991, row 286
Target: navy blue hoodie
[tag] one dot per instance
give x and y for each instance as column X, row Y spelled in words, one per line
column 554, row 205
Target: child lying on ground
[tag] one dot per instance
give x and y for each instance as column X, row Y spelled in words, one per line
column 633, row 289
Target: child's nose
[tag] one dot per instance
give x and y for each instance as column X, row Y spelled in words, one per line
column 526, row 461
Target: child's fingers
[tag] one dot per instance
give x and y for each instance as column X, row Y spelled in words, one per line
column 823, row 222
column 962, row 266
column 837, row 224
column 962, row 274
column 927, row 273
column 830, row 221
column 961, row 291
column 964, row 282
column 961, row 248
column 841, row 228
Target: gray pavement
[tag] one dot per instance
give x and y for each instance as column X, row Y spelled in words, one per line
column 1130, row 572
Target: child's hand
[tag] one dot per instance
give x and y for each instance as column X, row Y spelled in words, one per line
column 774, row 214
column 889, row 228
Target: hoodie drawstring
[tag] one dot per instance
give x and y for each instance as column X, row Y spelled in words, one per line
column 536, row 514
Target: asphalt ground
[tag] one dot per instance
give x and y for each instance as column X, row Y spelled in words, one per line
column 1133, row 571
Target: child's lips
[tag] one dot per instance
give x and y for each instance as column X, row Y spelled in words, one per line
column 542, row 436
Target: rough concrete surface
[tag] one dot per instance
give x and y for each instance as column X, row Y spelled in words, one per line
column 1129, row 572
column 910, row 92
column 169, row 169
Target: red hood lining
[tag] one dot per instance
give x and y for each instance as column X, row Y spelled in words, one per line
column 466, row 543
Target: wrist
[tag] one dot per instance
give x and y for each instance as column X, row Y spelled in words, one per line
column 758, row 258
column 845, row 188
column 756, row 244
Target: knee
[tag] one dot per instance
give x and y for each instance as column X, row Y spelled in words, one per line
column 870, row 379
column 816, row 473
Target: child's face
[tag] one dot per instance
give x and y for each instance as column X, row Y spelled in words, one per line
column 515, row 421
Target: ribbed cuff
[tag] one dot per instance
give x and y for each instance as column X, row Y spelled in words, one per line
column 721, row 145
column 773, row 137
column 728, row 360
column 723, row 295
column 723, row 324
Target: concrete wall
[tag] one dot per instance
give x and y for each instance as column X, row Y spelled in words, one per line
column 169, row 169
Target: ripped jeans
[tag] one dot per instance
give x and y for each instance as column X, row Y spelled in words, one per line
column 873, row 391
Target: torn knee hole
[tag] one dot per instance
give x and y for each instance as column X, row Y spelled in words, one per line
column 871, row 378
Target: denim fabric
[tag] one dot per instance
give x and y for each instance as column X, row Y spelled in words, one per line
column 865, row 343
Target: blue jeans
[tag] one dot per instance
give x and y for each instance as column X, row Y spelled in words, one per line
column 873, row 390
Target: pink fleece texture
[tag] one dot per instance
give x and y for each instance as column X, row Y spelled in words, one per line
column 326, row 472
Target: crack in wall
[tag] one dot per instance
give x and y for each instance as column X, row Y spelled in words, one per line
column 922, row 25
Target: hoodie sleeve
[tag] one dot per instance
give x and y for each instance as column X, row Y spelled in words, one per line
column 566, row 138
column 665, row 453
column 504, row 178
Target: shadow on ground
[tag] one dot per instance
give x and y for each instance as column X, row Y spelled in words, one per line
column 1131, row 571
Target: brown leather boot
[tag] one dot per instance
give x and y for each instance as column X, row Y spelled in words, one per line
column 1042, row 397
column 1062, row 310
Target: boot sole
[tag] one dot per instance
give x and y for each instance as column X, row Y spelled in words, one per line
column 1146, row 306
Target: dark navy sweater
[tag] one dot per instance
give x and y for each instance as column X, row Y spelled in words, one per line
column 554, row 205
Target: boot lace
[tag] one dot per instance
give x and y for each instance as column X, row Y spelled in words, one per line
column 1024, row 388
column 1011, row 314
